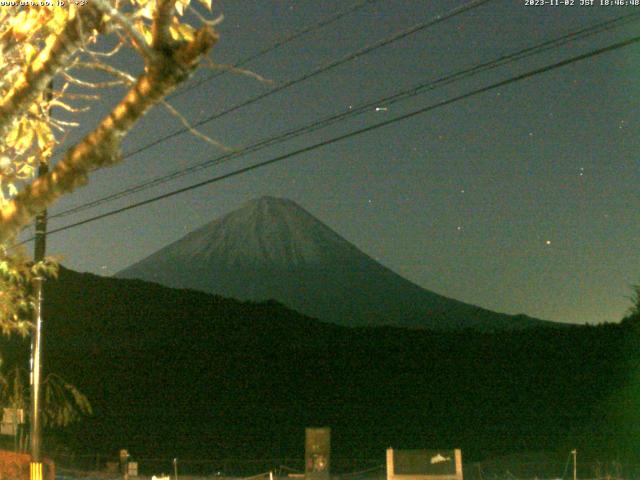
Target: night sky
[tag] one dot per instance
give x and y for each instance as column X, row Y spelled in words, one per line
column 522, row 199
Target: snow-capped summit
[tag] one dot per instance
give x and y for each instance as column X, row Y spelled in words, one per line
column 271, row 248
column 266, row 231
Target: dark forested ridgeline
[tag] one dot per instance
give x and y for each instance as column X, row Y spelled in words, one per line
column 179, row 372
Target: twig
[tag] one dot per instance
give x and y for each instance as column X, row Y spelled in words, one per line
column 240, row 71
column 192, row 130
column 115, row 72
column 110, row 53
column 95, row 85
column 212, row 23
column 68, row 108
column 78, row 96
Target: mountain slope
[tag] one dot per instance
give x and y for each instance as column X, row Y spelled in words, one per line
column 273, row 249
column 183, row 373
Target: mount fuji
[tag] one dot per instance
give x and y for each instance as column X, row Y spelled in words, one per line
column 271, row 248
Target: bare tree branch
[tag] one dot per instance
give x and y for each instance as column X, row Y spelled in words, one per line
column 211, row 23
column 93, row 85
column 240, row 71
column 101, row 66
column 195, row 132
column 110, row 53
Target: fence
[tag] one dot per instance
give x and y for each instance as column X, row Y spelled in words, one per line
column 503, row 468
column 349, row 468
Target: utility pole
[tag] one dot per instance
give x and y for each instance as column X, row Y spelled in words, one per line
column 36, row 343
column 35, row 430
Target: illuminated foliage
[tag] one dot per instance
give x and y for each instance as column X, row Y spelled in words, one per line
column 63, row 403
column 15, row 278
column 55, row 59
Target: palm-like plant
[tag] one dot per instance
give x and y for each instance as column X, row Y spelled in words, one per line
column 62, row 403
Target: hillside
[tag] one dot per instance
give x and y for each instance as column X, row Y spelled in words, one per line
column 179, row 372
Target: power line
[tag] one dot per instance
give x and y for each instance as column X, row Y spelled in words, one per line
column 294, row 36
column 347, row 58
column 389, row 100
column 360, row 131
column 260, row 53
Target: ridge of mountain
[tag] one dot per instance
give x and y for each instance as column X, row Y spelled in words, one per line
column 271, row 248
column 176, row 372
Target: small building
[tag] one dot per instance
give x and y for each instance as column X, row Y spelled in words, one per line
column 424, row 464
